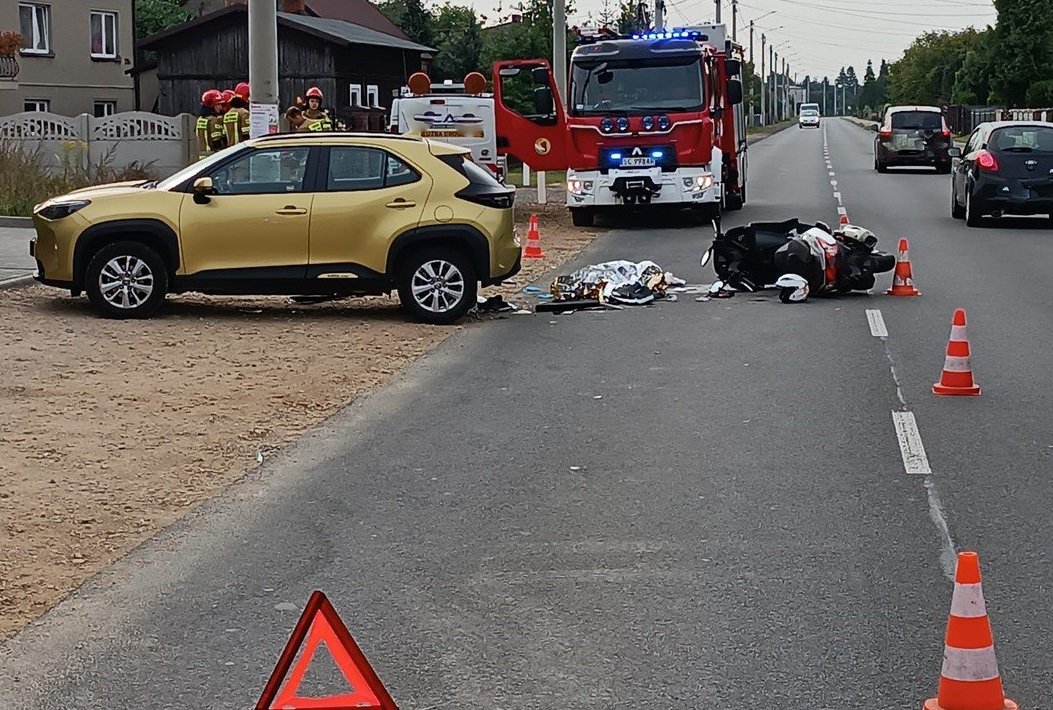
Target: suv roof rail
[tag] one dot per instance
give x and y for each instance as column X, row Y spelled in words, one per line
column 338, row 134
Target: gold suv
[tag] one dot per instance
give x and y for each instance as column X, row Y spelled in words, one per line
column 325, row 215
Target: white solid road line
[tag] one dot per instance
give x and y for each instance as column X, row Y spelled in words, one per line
column 841, row 209
column 877, row 323
column 914, row 459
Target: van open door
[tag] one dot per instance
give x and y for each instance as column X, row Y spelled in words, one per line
column 531, row 123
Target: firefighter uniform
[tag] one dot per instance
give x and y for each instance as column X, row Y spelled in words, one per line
column 236, row 120
column 203, row 126
column 317, row 117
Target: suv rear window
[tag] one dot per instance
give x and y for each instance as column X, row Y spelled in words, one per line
column 1022, row 139
column 918, row 120
column 476, row 174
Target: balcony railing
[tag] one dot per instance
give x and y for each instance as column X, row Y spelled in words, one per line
column 8, row 67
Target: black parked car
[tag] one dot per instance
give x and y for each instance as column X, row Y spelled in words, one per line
column 913, row 135
column 1006, row 167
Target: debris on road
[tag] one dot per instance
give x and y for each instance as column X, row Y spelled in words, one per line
column 623, row 282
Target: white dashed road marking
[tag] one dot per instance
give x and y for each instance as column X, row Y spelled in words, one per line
column 914, row 459
column 877, row 323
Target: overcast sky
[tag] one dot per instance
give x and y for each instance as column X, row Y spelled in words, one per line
column 820, row 36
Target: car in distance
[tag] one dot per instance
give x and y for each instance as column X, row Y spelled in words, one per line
column 308, row 214
column 808, row 118
column 1006, row 167
column 913, row 136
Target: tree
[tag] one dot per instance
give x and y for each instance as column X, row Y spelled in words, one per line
column 926, row 73
column 411, row 17
column 1024, row 37
column 457, row 35
column 153, row 16
column 972, row 82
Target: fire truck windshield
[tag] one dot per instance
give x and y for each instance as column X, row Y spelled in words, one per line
column 634, row 86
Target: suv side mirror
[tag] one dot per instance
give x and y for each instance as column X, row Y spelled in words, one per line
column 203, row 187
column 954, row 152
column 734, row 92
column 540, row 75
column 544, row 104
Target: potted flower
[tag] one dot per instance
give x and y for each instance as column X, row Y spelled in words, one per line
column 10, row 43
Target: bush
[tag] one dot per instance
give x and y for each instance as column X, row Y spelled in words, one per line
column 1040, row 95
column 25, row 181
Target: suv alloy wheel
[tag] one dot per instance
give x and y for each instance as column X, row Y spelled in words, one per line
column 126, row 280
column 437, row 285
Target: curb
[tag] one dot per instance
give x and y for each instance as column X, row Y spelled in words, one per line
column 16, row 222
column 16, row 282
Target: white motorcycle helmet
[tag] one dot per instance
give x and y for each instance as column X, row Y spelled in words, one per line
column 792, row 288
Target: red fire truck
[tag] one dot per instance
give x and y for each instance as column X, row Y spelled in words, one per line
column 654, row 118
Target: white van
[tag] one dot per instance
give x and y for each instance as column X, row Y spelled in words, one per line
column 460, row 119
column 808, row 107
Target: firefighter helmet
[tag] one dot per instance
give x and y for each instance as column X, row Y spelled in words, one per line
column 211, row 97
column 315, row 93
column 242, row 90
column 227, row 96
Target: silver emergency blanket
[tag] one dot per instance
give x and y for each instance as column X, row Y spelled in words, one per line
column 615, row 281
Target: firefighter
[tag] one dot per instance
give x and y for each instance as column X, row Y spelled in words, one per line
column 209, row 99
column 236, row 119
column 217, row 135
column 319, row 118
column 297, row 121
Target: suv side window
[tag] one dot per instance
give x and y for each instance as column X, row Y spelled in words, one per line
column 263, row 172
column 353, row 168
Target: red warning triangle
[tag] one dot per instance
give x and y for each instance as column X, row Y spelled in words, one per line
column 320, row 625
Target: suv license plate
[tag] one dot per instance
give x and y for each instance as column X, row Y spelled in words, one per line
column 637, row 162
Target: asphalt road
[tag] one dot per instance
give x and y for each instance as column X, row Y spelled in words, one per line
column 694, row 505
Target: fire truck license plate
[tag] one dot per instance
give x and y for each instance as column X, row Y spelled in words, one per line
column 637, row 162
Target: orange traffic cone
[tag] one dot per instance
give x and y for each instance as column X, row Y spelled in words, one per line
column 533, row 245
column 957, row 377
column 844, row 220
column 903, row 279
column 969, row 679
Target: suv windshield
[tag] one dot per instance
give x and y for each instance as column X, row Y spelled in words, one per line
column 1022, row 139
column 634, row 86
column 917, row 120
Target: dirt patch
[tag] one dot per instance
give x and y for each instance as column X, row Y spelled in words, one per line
column 112, row 430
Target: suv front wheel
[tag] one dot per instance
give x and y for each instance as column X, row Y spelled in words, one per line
column 437, row 285
column 126, row 280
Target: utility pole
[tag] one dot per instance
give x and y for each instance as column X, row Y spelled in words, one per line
column 776, row 111
column 734, row 20
column 718, row 11
column 785, row 89
column 263, row 67
column 559, row 47
column 763, row 84
column 659, row 14
column 749, row 100
column 751, row 43
column 826, row 89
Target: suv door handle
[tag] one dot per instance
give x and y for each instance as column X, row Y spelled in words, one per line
column 400, row 204
column 291, row 210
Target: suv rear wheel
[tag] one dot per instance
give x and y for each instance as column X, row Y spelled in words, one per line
column 126, row 280
column 437, row 285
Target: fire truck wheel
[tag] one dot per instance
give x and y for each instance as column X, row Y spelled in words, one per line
column 582, row 216
column 733, row 201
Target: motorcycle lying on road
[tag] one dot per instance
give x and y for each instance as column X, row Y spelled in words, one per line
column 797, row 258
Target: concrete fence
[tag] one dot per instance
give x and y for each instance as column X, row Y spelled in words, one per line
column 963, row 119
column 163, row 144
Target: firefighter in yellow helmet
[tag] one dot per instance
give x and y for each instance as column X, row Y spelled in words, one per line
column 317, row 117
column 209, row 99
column 236, row 119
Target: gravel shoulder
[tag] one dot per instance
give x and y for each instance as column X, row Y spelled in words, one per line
column 113, row 430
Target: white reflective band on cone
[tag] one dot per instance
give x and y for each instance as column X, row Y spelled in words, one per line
column 968, row 601
column 969, row 664
column 958, row 332
column 953, row 363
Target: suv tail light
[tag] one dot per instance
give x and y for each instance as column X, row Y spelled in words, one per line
column 986, row 161
column 498, row 200
column 885, row 133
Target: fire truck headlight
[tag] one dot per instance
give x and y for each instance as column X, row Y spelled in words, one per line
column 579, row 186
column 663, row 123
column 699, row 183
column 606, row 125
column 623, row 124
column 648, row 123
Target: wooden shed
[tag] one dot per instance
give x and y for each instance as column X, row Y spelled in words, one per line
column 353, row 65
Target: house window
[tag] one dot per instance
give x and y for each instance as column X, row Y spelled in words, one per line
column 356, row 94
column 31, row 105
column 34, row 21
column 105, row 108
column 103, row 35
column 373, row 95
